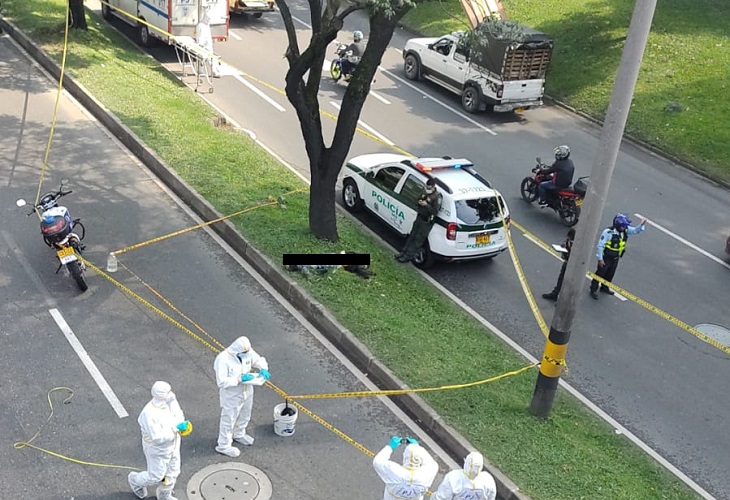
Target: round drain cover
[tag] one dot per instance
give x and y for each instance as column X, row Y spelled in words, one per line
column 229, row 481
column 715, row 332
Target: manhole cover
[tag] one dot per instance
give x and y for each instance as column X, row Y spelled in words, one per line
column 715, row 332
column 229, row 481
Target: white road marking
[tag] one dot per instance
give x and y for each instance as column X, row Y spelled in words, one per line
column 89, row 364
column 440, row 103
column 539, row 244
column 234, row 35
column 379, row 97
column 682, row 240
column 261, row 94
column 368, row 128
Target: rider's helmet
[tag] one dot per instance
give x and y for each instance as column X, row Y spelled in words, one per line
column 621, row 221
column 357, row 36
column 562, row 152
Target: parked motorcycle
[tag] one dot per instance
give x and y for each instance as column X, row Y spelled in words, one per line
column 336, row 68
column 57, row 229
column 566, row 202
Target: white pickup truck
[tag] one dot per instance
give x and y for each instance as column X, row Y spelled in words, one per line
column 503, row 76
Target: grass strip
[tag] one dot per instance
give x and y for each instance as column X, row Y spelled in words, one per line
column 424, row 337
column 680, row 103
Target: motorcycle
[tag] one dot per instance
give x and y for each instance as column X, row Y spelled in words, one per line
column 336, row 68
column 57, row 229
column 566, row 202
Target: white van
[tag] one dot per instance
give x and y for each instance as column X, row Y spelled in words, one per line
column 177, row 17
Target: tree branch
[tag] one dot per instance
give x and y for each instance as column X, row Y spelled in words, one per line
column 292, row 51
column 352, row 8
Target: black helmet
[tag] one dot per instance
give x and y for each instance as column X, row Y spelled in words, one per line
column 562, row 152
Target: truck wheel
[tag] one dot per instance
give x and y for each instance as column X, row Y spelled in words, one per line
column 106, row 12
column 145, row 39
column 411, row 67
column 257, row 15
column 470, row 99
column 351, row 196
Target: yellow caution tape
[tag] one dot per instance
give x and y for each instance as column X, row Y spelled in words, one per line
column 204, row 224
column 399, row 392
column 27, row 444
column 44, row 165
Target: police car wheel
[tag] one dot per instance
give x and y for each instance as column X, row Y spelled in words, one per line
column 351, row 196
column 424, row 259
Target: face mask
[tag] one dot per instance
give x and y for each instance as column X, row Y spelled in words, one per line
column 170, row 398
column 430, row 190
column 241, row 355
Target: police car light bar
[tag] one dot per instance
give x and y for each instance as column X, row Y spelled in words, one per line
column 440, row 164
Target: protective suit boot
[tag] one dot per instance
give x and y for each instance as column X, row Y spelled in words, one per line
column 139, row 492
column 230, row 451
column 245, row 440
column 165, row 494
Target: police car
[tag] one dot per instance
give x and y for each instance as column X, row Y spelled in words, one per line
column 473, row 219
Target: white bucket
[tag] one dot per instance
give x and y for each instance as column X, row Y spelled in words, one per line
column 284, row 425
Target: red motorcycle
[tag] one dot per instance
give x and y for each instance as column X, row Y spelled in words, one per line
column 566, row 202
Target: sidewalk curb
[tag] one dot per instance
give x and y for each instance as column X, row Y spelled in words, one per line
column 447, row 437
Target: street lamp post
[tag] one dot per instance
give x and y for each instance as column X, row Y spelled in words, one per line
column 556, row 347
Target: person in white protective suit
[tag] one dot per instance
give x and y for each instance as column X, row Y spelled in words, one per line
column 410, row 480
column 204, row 38
column 161, row 422
column 469, row 483
column 236, row 382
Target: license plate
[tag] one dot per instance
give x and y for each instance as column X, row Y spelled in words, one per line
column 482, row 239
column 66, row 255
column 578, row 203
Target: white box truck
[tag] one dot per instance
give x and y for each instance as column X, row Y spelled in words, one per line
column 177, row 17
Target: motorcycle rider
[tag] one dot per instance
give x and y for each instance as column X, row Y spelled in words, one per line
column 562, row 174
column 352, row 54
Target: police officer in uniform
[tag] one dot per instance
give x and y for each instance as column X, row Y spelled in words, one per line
column 429, row 204
column 611, row 247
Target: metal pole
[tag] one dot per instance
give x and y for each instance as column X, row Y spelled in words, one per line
column 583, row 250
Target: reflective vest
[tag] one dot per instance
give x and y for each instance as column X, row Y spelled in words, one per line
column 616, row 245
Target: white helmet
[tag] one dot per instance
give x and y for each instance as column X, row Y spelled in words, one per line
column 562, row 152
column 357, row 36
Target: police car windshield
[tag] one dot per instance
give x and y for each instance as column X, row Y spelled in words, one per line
column 477, row 210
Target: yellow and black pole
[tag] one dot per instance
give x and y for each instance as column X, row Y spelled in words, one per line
column 551, row 365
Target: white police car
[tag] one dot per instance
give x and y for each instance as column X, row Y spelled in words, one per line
column 468, row 226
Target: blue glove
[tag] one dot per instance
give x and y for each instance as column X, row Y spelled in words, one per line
column 246, row 377
column 411, row 441
column 183, row 426
column 395, row 442
column 265, row 373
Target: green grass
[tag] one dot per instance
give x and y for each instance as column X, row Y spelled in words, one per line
column 687, row 61
column 570, row 456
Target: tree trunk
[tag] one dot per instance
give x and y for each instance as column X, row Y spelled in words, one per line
column 77, row 15
column 325, row 163
column 322, row 214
